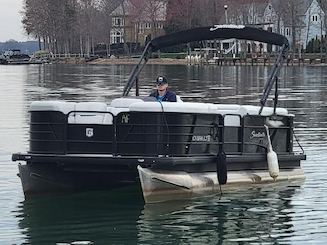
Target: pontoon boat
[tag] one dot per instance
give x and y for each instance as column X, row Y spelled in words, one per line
column 170, row 148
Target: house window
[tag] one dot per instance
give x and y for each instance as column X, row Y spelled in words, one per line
column 141, row 28
column 158, row 25
column 117, row 37
column 314, row 18
column 117, row 21
column 287, row 31
column 147, row 25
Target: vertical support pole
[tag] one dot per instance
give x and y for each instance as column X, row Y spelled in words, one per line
column 276, row 95
column 65, row 143
column 137, row 90
column 114, row 143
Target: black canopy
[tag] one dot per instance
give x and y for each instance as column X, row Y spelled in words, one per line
column 218, row 32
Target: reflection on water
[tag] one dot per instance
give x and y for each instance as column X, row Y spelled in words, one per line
column 288, row 214
column 97, row 217
column 255, row 216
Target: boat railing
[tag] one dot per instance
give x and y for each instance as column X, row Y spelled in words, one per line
column 118, row 135
column 102, row 138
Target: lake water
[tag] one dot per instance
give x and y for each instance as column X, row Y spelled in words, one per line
column 279, row 215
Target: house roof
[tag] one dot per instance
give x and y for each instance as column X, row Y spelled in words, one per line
column 122, row 7
column 304, row 6
column 260, row 7
column 301, row 5
column 113, row 7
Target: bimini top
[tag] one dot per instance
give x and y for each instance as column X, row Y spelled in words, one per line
column 210, row 33
column 218, row 32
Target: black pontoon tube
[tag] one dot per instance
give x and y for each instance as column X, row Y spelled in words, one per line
column 211, row 33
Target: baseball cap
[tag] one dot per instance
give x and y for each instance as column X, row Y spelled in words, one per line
column 161, row 80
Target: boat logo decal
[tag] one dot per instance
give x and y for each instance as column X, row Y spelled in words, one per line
column 255, row 134
column 89, row 132
column 201, row 138
column 125, row 118
column 215, row 27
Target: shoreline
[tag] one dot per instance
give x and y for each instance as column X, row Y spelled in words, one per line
column 171, row 61
column 134, row 61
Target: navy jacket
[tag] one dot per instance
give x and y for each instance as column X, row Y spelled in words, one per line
column 169, row 96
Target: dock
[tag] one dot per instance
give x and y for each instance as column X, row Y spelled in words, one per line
column 312, row 59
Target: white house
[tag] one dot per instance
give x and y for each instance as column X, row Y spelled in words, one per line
column 272, row 16
column 314, row 22
column 308, row 24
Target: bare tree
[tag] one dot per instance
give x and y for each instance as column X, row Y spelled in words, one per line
column 291, row 12
column 180, row 14
column 64, row 25
column 154, row 12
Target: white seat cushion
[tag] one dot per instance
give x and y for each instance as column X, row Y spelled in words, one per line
column 124, row 102
column 51, row 105
column 186, row 107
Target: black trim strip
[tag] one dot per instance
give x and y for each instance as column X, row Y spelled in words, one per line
column 139, row 160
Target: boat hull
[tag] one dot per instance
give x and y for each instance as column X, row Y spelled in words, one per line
column 159, row 186
column 49, row 173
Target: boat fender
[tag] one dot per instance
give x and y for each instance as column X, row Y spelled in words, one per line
column 272, row 158
column 221, row 168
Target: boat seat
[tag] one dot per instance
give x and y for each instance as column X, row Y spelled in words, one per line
column 186, row 107
column 92, row 114
column 53, row 105
column 124, row 102
column 115, row 111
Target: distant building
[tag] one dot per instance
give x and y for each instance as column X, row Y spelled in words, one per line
column 257, row 13
column 133, row 23
column 121, row 27
column 308, row 24
column 269, row 15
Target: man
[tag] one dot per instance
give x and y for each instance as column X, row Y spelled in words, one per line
column 162, row 93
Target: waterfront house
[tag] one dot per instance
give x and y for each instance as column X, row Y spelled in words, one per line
column 307, row 24
column 137, row 21
column 300, row 21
